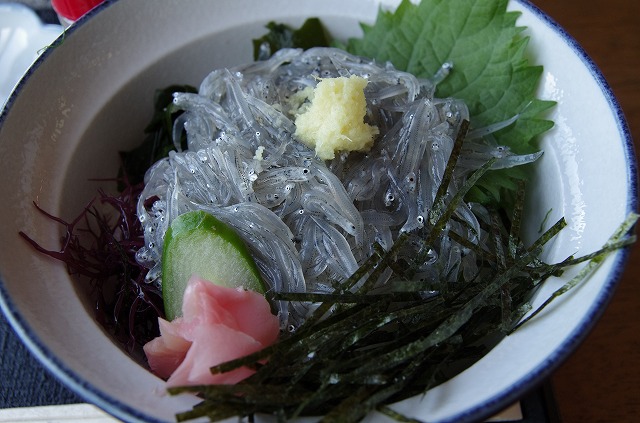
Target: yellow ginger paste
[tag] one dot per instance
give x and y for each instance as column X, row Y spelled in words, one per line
column 334, row 120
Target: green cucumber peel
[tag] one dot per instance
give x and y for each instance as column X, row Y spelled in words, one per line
column 199, row 244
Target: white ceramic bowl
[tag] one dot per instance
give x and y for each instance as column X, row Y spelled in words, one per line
column 86, row 99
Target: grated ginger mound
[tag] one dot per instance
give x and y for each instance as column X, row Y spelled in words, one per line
column 334, row 121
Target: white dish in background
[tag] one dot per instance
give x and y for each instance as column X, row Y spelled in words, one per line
column 23, row 37
column 92, row 95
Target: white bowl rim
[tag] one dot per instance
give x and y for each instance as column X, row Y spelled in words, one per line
column 494, row 405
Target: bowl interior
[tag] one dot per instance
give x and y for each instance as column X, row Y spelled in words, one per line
column 92, row 96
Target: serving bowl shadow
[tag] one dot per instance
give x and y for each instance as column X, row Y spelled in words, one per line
column 90, row 95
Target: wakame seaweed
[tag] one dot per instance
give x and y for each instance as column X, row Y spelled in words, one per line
column 312, row 33
column 159, row 136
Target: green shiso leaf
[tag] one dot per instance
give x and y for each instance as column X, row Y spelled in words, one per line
column 491, row 71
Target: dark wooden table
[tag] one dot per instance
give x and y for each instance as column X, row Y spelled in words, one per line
column 600, row 382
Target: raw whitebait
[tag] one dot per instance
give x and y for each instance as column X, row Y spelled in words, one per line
column 310, row 223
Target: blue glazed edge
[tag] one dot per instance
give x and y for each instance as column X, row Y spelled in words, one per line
column 59, row 369
column 482, row 411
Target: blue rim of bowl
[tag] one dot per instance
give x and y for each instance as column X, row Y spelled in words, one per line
column 480, row 412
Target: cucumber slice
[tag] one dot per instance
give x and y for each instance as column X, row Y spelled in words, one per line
column 198, row 243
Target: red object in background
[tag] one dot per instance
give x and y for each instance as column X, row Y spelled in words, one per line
column 73, row 9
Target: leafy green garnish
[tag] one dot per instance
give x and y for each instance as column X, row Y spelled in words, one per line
column 491, row 72
column 159, row 139
column 311, row 34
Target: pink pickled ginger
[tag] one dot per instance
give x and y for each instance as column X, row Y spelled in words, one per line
column 218, row 324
